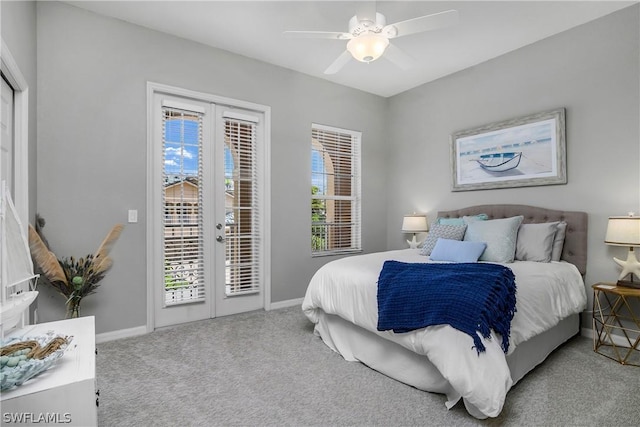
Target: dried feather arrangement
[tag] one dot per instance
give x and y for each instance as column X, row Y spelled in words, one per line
column 73, row 278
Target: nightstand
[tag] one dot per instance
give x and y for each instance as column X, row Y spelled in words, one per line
column 65, row 394
column 613, row 311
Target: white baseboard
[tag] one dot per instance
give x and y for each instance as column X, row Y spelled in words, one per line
column 121, row 333
column 286, row 304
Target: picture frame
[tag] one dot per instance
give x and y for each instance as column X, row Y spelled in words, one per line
column 522, row 152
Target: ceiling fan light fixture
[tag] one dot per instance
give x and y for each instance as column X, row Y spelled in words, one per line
column 367, row 47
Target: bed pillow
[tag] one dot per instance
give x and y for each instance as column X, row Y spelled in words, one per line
column 500, row 235
column 535, row 241
column 452, row 232
column 480, row 217
column 462, row 221
column 457, row 251
column 558, row 241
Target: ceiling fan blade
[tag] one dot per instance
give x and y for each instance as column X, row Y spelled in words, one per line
column 318, row 35
column 366, row 11
column 422, row 23
column 340, row 62
column 399, row 57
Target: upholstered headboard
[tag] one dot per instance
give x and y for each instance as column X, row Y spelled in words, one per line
column 575, row 242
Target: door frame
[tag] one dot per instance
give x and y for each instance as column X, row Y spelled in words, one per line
column 20, row 87
column 153, row 219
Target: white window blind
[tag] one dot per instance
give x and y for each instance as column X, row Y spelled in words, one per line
column 335, row 190
column 182, row 200
column 242, row 215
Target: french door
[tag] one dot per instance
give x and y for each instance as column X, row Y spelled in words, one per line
column 14, row 141
column 6, row 134
column 208, row 209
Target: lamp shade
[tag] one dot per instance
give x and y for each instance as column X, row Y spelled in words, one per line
column 623, row 231
column 414, row 223
column 367, row 47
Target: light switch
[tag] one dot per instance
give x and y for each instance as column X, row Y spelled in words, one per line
column 133, row 215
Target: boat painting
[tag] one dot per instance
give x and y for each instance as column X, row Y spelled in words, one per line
column 499, row 162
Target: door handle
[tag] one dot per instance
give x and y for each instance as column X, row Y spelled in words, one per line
column 220, row 239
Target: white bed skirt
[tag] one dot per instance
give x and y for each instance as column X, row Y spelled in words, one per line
column 358, row 344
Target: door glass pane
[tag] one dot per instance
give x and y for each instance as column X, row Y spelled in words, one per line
column 241, row 213
column 6, row 134
column 182, row 200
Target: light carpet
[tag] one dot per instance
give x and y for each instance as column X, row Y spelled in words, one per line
column 268, row 368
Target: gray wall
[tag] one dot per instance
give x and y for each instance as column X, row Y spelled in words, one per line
column 92, row 75
column 592, row 71
column 19, row 33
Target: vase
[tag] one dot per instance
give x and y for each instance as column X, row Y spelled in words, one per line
column 73, row 309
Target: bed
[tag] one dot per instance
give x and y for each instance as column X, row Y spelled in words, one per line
column 341, row 301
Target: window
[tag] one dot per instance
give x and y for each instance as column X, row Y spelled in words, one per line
column 335, row 190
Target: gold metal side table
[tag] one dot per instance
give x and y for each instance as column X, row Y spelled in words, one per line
column 613, row 310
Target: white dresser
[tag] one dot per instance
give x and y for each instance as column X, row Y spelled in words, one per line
column 65, row 394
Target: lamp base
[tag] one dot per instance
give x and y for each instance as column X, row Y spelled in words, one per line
column 413, row 243
column 630, row 267
column 628, row 284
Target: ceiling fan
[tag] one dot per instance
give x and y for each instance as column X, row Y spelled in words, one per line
column 369, row 34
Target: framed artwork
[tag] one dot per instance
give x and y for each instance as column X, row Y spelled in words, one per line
column 521, row 152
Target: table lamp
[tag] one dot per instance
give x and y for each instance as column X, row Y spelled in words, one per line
column 625, row 231
column 414, row 223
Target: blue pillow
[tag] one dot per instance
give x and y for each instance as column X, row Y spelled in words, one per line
column 457, row 251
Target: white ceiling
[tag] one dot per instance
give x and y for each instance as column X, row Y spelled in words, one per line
column 486, row 29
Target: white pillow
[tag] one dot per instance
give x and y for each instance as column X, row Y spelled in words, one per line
column 535, row 241
column 500, row 235
column 558, row 241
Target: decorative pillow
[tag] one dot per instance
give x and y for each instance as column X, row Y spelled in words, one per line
column 535, row 241
column 457, row 251
column 479, row 217
column 452, row 232
column 462, row 221
column 558, row 241
column 500, row 236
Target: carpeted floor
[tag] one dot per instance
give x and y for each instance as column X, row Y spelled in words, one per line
column 267, row 369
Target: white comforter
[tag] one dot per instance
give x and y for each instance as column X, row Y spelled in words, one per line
column 546, row 293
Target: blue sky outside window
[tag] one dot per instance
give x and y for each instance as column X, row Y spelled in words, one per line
column 181, row 150
column 318, row 175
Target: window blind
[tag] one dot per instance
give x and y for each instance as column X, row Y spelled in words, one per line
column 335, row 191
column 183, row 201
column 242, row 228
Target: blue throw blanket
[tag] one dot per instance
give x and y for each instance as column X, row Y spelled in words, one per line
column 471, row 297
